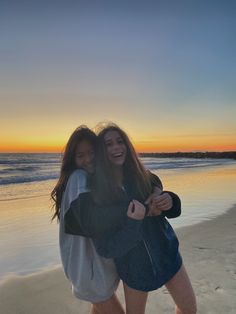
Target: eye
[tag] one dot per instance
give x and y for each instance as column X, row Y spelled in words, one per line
column 108, row 144
column 120, row 141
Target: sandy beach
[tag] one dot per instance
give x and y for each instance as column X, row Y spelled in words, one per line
column 209, row 253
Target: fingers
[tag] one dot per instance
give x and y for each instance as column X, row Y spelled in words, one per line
column 149, row 199
column 162, row 202
column 136, row 210
column 131, row 207
column 157, row 204
column 157, row 191
column 139, row 209
column 155, row 212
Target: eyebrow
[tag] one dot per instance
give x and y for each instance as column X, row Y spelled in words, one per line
column 110, row 139
column 81, row 153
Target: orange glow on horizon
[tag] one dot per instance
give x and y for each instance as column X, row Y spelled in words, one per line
column 140, row 147
column 142, row 143
column 183, row 148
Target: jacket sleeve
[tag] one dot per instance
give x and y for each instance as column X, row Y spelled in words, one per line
column 175, row 210
column 118, row 243
column 85, row 217
column 155, row 180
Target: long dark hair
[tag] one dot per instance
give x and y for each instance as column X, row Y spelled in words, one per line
column 105, row 189
column 68, row 163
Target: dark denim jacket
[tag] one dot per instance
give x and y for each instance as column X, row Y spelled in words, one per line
column 145, row 251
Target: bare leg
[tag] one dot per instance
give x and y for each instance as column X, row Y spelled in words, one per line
column 135, row 300
column 109, row 306
column 182, row 293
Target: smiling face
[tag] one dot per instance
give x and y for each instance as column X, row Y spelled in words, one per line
column 115, row 148
column 84, row 156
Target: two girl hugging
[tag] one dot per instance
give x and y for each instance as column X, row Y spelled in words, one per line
column 113, row 225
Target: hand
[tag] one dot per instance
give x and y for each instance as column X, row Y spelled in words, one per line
column 136, row 210
column 156, row 191
column 159, row 204
column 149, row 201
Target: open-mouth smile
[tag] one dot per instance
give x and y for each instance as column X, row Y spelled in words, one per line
column 117, row 155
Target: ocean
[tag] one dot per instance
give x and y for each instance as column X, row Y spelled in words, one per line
column 28, row 238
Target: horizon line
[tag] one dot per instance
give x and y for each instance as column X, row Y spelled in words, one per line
column 154, row 152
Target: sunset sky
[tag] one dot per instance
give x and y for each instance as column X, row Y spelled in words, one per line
column 165, row 71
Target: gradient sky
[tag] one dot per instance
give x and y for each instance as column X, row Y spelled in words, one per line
column 165, row 71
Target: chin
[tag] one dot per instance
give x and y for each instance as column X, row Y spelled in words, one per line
column 89, row 170
column 119, row 163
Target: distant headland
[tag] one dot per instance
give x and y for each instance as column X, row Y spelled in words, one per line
column 229, row 155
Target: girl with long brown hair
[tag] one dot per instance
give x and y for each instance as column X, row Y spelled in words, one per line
column 153, row 260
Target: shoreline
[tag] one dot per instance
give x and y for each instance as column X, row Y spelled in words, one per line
column 209, row 253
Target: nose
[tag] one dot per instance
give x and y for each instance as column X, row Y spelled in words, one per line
column 116, row 146
column 89, row 159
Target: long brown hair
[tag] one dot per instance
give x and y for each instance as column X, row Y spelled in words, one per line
column 68, row 163
column 105, row 189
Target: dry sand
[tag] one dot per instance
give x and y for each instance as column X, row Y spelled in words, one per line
column 209, row 253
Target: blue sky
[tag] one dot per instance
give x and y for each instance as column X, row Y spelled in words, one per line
column 157, row 68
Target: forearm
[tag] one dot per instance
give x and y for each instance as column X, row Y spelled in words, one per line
column 86, row 218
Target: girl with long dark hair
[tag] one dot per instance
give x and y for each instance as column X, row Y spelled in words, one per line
column 93, row 277
column 145, row 248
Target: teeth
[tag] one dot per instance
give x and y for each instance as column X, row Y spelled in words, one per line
column 118, row 155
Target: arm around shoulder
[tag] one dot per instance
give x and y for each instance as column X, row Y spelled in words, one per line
column 86, row 218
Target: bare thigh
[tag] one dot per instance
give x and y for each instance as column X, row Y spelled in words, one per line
column 109, row 306
column 182, row 292
column 135, row 300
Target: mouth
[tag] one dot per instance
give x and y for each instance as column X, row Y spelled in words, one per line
column 117, row 155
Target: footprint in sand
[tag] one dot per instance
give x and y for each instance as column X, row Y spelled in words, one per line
column 219, row 289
